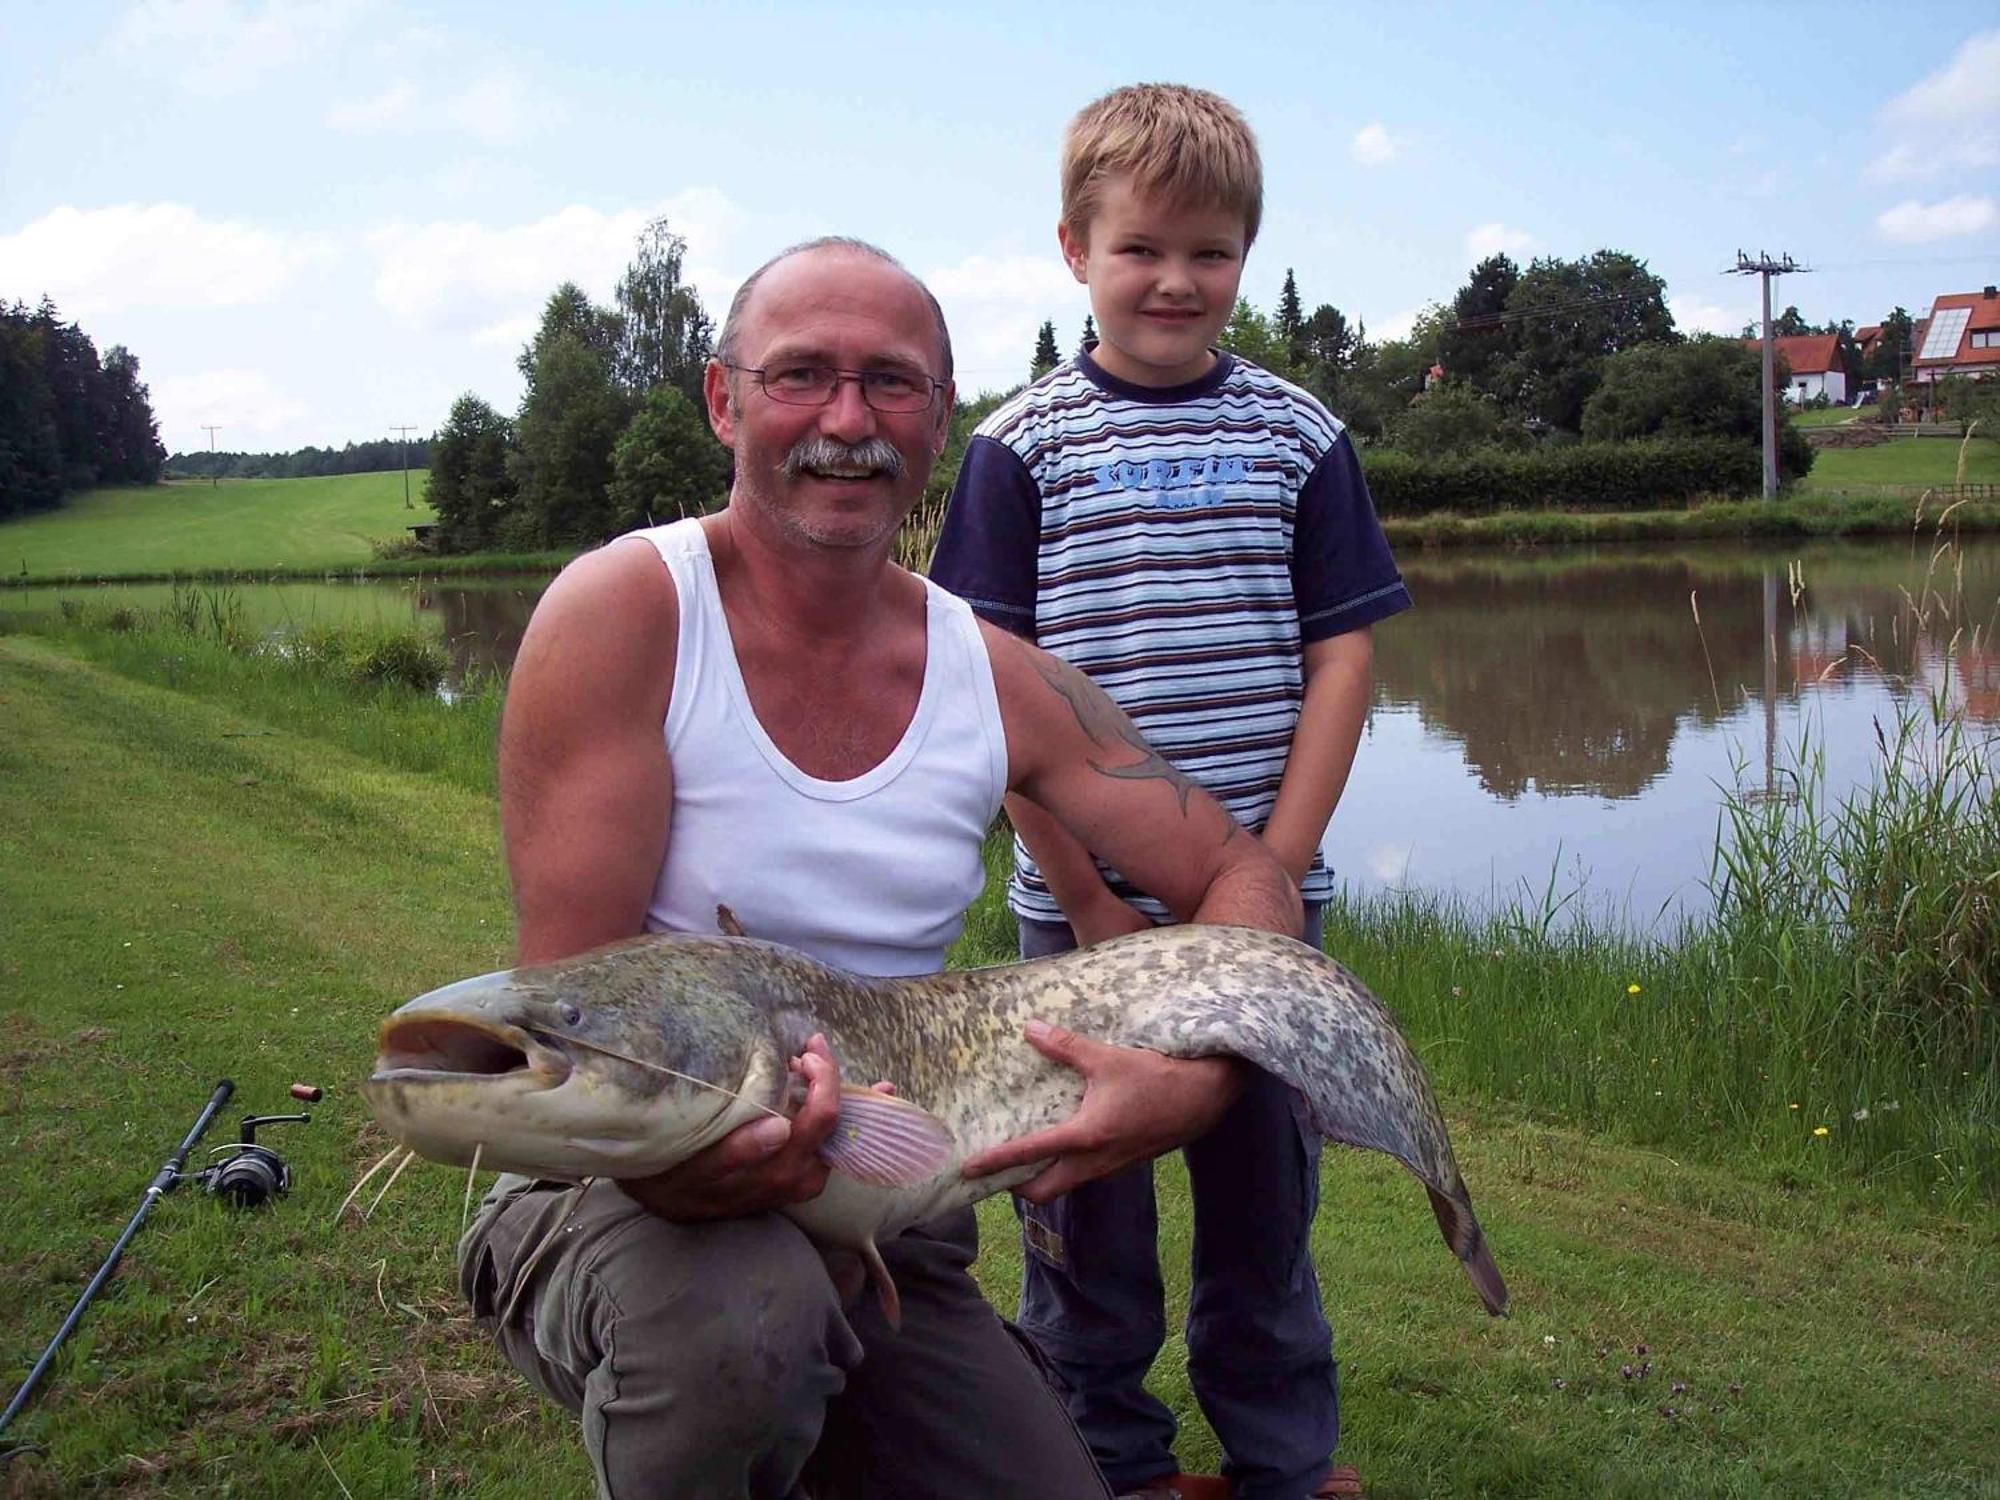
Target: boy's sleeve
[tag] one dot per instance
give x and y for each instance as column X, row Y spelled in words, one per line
column 1343, row 575
column 987, row 549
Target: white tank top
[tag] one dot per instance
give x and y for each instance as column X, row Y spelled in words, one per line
column 872, row 874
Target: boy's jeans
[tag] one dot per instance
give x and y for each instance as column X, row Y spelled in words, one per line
column 1260, row 1354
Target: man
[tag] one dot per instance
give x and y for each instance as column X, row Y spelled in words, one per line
column 760, row 709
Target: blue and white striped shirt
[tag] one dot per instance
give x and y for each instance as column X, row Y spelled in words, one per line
column 1178, row 545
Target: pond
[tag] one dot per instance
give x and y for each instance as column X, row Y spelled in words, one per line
column 1548, row 724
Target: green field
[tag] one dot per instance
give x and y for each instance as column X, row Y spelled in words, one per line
column 190, row 526
column 1825, row 416
column 216, row 863
column 1903, row 461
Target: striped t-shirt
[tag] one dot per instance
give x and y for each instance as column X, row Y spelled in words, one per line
column 1178, row 545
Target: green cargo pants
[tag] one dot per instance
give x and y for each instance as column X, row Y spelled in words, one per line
column 718, row 1361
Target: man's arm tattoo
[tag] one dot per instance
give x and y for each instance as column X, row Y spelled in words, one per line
column 1104, row 722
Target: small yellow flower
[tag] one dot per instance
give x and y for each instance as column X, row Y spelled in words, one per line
column 1820, row 1130
column 1631, row 989
column 1791, row 1106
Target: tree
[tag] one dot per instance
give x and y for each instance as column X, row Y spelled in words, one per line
column 1046, row 358
column 1388, row 376
column 67, row 419
column 1893, row 351
column 1451, row 417
column 1290, row 320
column 667, row 464
column 571, row 416
column 664, row 337
column 1568, row 318
column 472, row 486
column 1324, row 352
column 1089, row 333
column 128, row 435
column 1704, row 387
column 1250, row 334
column 1480, row 339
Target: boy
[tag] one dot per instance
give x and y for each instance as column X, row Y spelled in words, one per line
column 1194, row 533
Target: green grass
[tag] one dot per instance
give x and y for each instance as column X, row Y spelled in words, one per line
column 1825, row 416
column 190, row 526
column 1904, row 461
column 216, row 863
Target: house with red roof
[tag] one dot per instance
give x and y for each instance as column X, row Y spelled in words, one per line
column 1960, row 336
column 1818, row 367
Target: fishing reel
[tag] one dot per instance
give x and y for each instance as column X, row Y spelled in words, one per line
column 251, row 1174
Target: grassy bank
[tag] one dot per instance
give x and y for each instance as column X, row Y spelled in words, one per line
column 1904, row 461
column 215, row 862
column 190, row 527
column 327, row 528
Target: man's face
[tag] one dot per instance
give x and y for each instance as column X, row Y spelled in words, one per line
column 828, row 475
column 1162, row 279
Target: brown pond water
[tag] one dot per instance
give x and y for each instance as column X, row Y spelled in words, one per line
column 1544, row 720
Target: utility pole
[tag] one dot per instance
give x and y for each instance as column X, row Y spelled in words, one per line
column 405, row 431
column 1765, row 267
column 211, row 430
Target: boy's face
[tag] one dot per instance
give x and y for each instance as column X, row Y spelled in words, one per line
column 1162, row 281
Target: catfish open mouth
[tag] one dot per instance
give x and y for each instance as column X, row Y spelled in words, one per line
column 441, row 1047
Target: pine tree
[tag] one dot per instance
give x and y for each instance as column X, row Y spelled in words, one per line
column 1089, row 333
column 1046, row 357
column 1291, row 316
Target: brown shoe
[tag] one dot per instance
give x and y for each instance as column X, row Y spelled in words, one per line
column 1180, row 1487
column 1342, row 1483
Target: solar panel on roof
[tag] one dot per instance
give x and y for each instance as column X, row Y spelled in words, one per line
column 1941, row 342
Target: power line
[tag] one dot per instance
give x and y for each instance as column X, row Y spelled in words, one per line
column 406, row 431
column 211, row 430
column 1765, row 268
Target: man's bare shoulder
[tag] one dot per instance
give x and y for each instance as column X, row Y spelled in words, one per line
column 622, row 588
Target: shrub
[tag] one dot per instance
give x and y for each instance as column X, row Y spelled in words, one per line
column 1579, row 476
column 402, row 657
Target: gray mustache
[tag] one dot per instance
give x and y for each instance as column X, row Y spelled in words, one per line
column 815, row 453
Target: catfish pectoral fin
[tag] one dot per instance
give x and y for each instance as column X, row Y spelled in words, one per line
column 885, row 1140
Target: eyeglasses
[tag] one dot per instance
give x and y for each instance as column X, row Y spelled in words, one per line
column 816, row 385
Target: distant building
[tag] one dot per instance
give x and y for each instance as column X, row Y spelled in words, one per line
column 1959, row 336
column 1817, row 365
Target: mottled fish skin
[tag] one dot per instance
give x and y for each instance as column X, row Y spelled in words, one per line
column 731, row 1009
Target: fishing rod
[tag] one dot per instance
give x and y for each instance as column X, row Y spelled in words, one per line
column 252, row 1175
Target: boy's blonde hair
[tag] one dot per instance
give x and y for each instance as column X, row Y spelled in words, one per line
column 1184, row 145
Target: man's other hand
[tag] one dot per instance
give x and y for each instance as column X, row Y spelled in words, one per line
column 1136, row 1104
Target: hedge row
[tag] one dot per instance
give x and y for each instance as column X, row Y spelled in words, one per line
column 1645, row 475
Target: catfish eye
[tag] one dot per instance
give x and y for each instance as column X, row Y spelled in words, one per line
column 568, row 1014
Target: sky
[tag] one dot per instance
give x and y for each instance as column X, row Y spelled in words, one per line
column 314, row 221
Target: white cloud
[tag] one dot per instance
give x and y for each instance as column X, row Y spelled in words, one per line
column 388, row 110
column 993, row 305
column 1692, row 315
column 149, row 255
column 1966, row 89
column 1915, row 222
column 490, row 281
column 1910, row 161
column 1373, row 146
column 495, row 107
column 226, row 46
column 244, row 402
column 1496, row 239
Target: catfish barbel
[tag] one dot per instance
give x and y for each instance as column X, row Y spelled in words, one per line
column 629, row 1059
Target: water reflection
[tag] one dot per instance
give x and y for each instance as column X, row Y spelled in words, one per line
column 1552, row 722
column 1547, row 715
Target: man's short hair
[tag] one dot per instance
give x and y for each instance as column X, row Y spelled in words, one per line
column 1183, row 145
column 725, row 346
